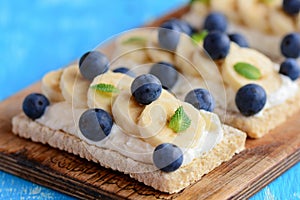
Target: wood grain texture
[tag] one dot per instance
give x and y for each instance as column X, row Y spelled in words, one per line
column 261, row 162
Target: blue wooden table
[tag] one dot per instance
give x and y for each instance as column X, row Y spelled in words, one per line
column 40, row 35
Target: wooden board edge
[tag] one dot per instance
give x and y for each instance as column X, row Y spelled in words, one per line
column 268, row 177
column 258, row 184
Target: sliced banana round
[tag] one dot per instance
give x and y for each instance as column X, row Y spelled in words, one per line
column 280, row 22
column 125, row 111
column 269, row 79
column 154, row 129
column 207, row 69
column 195, row 17
column 74, row 87
column 155, row 52
column 228, row 7
column 131, row 46
column 103, row 99
column 50, row 86
column 200, row 8
column 254, row 14
column 183, row 56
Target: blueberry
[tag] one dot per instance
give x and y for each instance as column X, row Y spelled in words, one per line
column 34, row 105
column 92, row 64
column 169, row 35
column 146, row 88
column 201, row 99
column 290, row 68
column 290, row 45
column 215, row 21
column 239, row 39
column 184, row 26
column 124, row 70
column 166, row 73
column 250, row 99
column 95, row 124
column 217, row 45
column 291, row 7
column 167, row 157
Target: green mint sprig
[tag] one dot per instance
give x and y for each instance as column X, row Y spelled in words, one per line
column 179, row 121
column 102, row 87
column 199, row 37
column 135, row 40
column 247, row 70
column 267, row 1
column 201, row 1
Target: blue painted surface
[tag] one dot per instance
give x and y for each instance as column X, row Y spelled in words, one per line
column 39, row 35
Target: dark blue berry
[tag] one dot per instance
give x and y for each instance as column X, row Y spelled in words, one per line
column 217, row 45
column 250, row 99
column 92, row 64
column 124, row 70
column 239, row 39
column 95, row 124
column 183, row 26
column 166, row 73
column 291, row 7
column 169, row 35
column 34, row 105
column 290, row 68
column 167, row 157
column 146, row 88
column 215, row 21
column 201, row 99
column 290, row 45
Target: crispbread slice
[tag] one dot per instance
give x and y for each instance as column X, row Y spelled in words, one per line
column 258, row 126
column 232, row 143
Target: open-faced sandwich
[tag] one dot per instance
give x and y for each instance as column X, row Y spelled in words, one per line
column 153, row 107
column 264, row 23
column 248, row 87
column 128, row 124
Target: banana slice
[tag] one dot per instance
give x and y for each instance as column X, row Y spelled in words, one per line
column 155, row 52
column 228, row 7
column 50, row 86
column 206, row 67
column 153, row 124
column 104, row 100
column 126, row 111
column 184, row 53
column 254, row 14
column 195, row 17
column 200, row 8
column 280, row 22
column 74, row 87
column 270, row 79
column 131, row 46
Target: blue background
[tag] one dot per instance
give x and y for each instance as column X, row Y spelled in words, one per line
column 40, row 35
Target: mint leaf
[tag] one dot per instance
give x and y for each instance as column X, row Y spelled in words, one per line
column 267, row 1
column 247, row 70
column 201, row 1
column 199, row 37
column 179, row 121
column 102, row 87
column 135, row 40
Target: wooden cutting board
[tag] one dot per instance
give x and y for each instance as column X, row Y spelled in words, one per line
column 241, row 177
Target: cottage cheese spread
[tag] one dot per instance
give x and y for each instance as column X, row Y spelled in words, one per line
column 61, row 116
